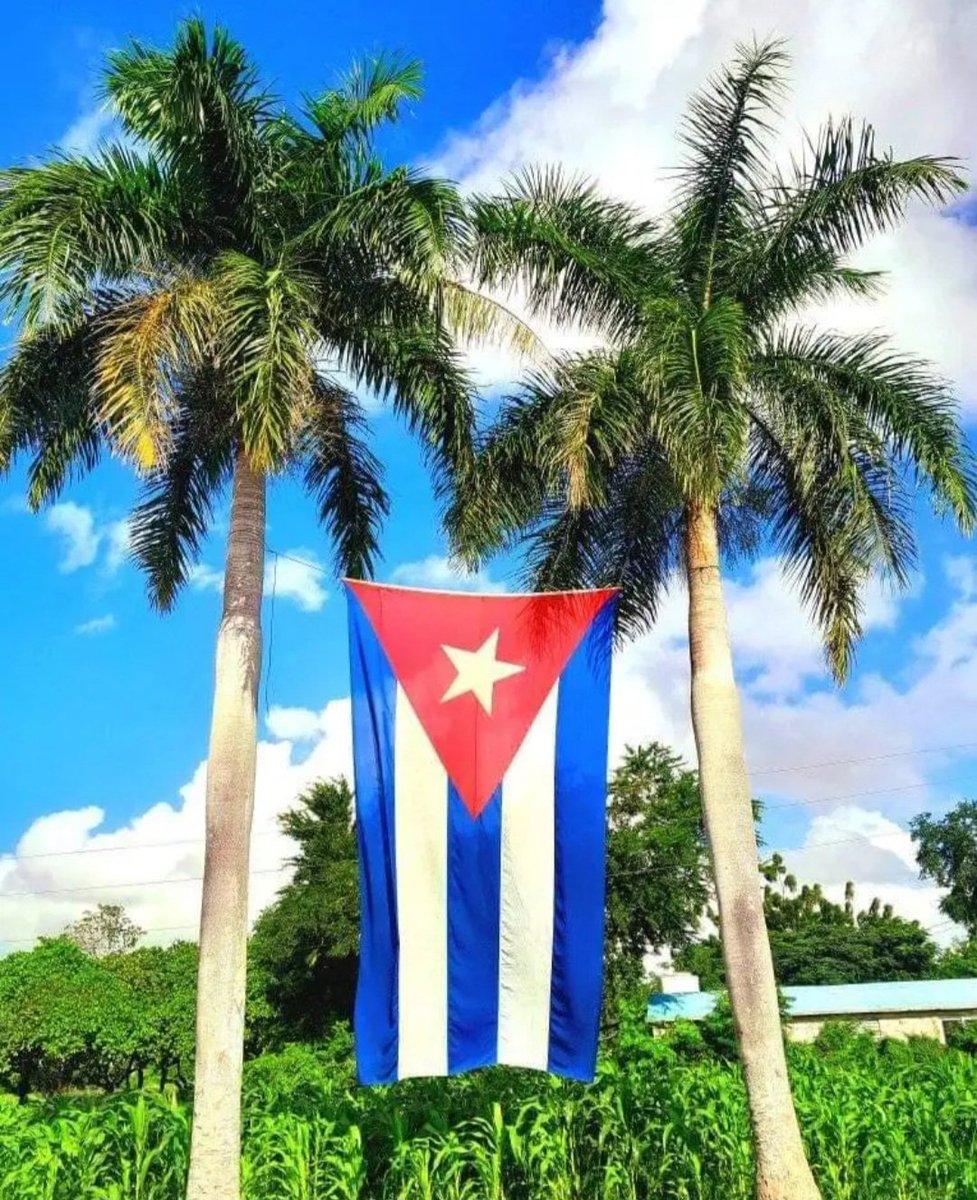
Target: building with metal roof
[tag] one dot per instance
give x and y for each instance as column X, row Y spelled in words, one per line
column 903, row 1009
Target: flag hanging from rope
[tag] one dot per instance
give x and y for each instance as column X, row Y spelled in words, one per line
column 480, row 757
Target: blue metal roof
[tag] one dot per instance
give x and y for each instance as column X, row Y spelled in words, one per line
column 837, row 1000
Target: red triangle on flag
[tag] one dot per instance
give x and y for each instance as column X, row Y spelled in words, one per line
column 477, row 669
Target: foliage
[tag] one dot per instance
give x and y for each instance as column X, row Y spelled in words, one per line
column 303, row 952
column 961, row 1035
column 958, row 961
column 655, row 1125
column 164, row 983
column 815, row 941
column 65, row 1018
column 657, row 863
column 69, row 1019
column 947, row 854
column 106, row 929
column 709, row 396
column 238, row 281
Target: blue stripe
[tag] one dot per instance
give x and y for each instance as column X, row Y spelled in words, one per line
column 474, row 891
column 581, row 793
column 374, row 695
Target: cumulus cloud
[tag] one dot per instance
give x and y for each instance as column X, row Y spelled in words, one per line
column 84, row 536
column 297, row 575
column 74, row 525
column 610, row 107
column 96, row 625
column 437, row 571
column 865, row 846
column 69, row 861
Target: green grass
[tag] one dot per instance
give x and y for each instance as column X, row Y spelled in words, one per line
column 897, row 1124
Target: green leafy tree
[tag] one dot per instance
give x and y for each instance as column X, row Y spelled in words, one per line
column 104, row 930
column 946, row 850
column 712, row 423
column 65, row 1019
column 658, row 879
column 305, row 946
column 959, row 961
column 204, row 305
column 164, row 980
column 815, row 941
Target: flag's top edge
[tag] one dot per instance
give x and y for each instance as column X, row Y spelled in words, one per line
column 400, row 587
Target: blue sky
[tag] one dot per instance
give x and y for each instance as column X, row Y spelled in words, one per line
column 105, row 706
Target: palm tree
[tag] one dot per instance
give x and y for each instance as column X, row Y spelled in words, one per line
column 710, row 422
column 201, row 305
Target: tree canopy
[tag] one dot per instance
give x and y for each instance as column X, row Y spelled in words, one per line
column 239, row 279
column 815, row 941
column 713, row 394
column 303, row 954
column 106, row 929
column 947, row 853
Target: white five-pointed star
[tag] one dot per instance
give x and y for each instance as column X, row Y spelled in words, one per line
column 479, row 671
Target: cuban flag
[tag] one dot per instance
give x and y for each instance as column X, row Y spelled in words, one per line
column 480, row 758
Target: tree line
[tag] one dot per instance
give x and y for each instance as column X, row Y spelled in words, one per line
column 92, row 1009
column 198, row 299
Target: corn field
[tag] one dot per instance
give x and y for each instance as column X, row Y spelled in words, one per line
column 653, row 1127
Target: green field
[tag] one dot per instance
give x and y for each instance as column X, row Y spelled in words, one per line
column 894, row 1123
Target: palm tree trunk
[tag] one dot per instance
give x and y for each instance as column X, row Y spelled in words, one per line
column 215, row 1151
column 782, row 1171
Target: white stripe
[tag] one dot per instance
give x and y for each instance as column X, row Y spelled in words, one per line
column 528, row 867
column 421, row 818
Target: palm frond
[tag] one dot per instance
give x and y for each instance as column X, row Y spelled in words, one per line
column 170, row 522
column 46, row 408
column 372, row 93
column 148, row 341
column 890, row 405
column 726, row 132
column 72, row 224
column 843, row 190
column 577, row 256
column 475, row 319
column 344, row 477
column 632, row 541
column 267, row 341
column 391, row 344
column 200, row 109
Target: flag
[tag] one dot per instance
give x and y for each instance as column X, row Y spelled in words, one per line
column 480, row 759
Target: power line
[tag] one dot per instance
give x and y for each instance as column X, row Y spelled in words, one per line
column 274, row 824
column 138, row 883
column 844, row 762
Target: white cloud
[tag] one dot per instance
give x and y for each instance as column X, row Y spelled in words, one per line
column 84, row 536
column 865, row 846
column 297, row 575
column 96, row 625
column 68, row 861
column 75, row 526
column 437, row 571
column 610, row 107
column 205, row 579
column 293, row 724
column 118, row 537
column 88, row 130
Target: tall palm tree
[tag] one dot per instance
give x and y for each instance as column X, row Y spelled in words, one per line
column 198, row 305
column 712, row 423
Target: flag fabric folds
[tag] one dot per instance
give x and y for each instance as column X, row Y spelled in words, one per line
column 480, row 756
